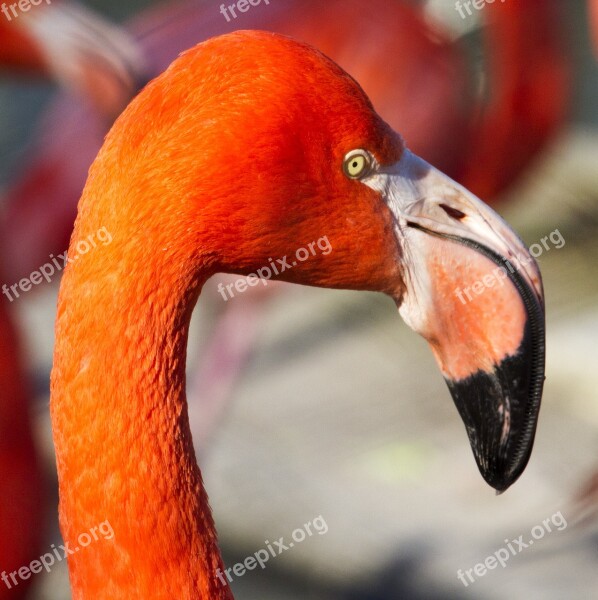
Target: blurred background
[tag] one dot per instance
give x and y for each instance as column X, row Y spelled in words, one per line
column 309, row 403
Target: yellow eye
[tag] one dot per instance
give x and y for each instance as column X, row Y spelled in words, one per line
column 358, row 163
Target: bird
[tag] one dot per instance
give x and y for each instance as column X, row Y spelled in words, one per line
column 527, row 84
column 73, row 46
column 21, row 479
column 100, row 67
column 593, row 14
column 249, row 146
column 41, row 202
column 424, row 92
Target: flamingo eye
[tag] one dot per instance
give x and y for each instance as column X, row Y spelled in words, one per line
column 357, row 164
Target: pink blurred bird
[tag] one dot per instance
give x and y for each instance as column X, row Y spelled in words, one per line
column 593, row 10
column 21, row 482
column 79, row 50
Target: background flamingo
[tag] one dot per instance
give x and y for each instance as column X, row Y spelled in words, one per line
column 71, row 45
column 593, row 14
column 21, row 482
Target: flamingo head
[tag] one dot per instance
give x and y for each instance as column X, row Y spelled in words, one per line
column 252, row 146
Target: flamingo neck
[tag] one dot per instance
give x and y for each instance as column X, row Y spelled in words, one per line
column 184, row 191
column 123, row 443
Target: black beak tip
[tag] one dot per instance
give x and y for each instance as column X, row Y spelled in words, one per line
column 500, row 413
column 502, row 477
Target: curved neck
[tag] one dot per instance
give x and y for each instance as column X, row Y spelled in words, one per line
column 204, row 171
column 125, row 456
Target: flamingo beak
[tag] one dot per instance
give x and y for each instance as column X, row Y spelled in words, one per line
column 473, row 290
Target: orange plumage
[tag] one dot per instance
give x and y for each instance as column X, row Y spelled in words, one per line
column 174, row 184
column 244, row 149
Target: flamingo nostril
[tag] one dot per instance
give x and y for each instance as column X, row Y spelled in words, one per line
column 453, row 212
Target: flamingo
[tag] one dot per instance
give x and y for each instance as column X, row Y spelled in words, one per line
column 249, row 146
column 76, row 48
column 593, row 10
column 21, row 482
column 528, row 94
column 422, row 92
